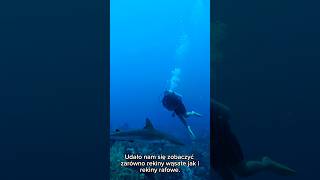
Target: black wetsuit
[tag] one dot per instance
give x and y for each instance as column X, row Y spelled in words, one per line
column 225, row 151
column 173, row 102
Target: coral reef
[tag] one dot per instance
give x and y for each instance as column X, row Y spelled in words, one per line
column 121, row 173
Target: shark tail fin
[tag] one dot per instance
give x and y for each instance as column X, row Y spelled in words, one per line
column 148, row 124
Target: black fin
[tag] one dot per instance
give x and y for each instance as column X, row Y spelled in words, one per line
column 117, row 130
column 148, row 124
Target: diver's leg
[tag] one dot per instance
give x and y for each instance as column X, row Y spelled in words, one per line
column 277, row 168
column 193, row 113
column 193, row 137
column 248, row 168
column 184, row 122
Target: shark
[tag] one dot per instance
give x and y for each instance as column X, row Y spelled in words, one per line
column 147, row 134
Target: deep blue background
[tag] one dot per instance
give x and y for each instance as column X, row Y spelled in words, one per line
column 144, row 38
column 54, row 89
column 270, row 79
column 53, row 76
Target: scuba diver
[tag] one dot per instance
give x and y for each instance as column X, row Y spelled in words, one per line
column 226, row 155
column 172, row 101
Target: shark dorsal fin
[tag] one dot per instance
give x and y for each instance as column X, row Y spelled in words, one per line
column 148, row 124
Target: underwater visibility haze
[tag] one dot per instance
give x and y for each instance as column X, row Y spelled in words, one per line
column 267, row 72
column 156, row 46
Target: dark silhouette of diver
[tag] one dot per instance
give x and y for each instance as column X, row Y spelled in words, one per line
column 226, row 155
column 172, row 101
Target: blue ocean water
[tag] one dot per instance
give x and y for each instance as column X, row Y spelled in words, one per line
column 269, row 77
column 158, row 45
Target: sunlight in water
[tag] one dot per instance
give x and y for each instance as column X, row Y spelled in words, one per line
column 182, row 47
column 197, row 12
